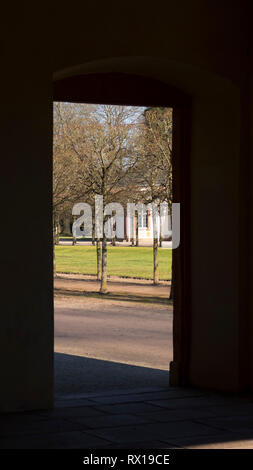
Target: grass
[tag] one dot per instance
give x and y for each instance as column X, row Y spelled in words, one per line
column 122, row 261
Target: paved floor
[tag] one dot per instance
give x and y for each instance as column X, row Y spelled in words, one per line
column 135, row 419
column 101, row 350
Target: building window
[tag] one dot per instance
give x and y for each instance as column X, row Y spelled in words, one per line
column 142, row 219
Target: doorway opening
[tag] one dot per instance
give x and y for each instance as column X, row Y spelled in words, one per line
column 113, row 295
column 116, row 361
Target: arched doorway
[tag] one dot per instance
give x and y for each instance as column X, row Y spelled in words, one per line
column 134, row 90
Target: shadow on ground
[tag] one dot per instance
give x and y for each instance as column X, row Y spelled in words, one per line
column 75, row 374
column 114, row 296
column 133, row 418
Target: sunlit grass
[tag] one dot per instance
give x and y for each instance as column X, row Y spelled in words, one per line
column 122, row 261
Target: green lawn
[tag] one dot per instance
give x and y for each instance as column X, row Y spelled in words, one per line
column 122, row 261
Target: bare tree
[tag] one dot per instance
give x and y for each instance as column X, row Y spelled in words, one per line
column 155, row 167
column 70, row 128
column 103, row 141
column 109, row 151
column 64, row 171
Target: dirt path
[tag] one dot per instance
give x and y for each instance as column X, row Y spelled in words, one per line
column 121, row 287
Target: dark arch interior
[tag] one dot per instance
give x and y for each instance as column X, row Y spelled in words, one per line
column 117, row 88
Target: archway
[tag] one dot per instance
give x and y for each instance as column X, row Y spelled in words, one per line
column 127, row 89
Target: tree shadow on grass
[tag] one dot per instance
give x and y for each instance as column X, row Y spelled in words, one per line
column 126, row 280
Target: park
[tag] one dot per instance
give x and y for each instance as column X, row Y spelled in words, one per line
column 112, row 212
column 125, row 262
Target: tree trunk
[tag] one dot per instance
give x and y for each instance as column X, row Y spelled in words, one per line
column 160, row 234
column 172, row 270
column 137, row 232
column 55, row 241
column 73, row 235
column 54, row 261
column 155, row 245
column 99, row 260
column 56, row 232
column 171, row 285
column 155, row 259
column 103, row 285
column 66, row 227
column 114, row 229
column 93, row 229
column 113, row 224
